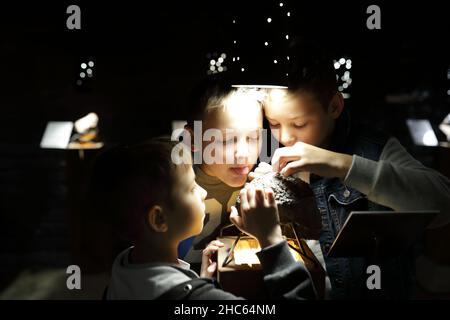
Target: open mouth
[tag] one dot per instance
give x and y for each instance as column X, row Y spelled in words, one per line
column 241, row 170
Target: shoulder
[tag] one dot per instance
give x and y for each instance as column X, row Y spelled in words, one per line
column 197, row 289
column 146, row 281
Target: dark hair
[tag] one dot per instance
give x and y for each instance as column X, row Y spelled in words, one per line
column 312, row 70
column 127, row 180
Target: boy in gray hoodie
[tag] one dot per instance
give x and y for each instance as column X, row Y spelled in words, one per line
column 155, row 200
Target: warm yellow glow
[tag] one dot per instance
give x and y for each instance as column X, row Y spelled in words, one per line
column 245, row 252
column 258, row 86
column 246, row 249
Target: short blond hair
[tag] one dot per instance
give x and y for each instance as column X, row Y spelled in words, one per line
column 216, row 93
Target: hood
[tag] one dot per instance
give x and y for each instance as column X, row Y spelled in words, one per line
column 145, row 281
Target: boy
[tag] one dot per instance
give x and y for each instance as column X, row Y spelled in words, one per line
column 235, row 117
column 157, row 203
column 351, row 168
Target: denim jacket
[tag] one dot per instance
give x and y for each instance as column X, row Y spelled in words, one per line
column 335, row 202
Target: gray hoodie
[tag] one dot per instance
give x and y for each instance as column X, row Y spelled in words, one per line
column 283, row 276
column 144, row 281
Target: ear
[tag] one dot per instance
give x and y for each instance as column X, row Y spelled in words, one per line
column 157, row 220
column 188, row 137
column 336, row 105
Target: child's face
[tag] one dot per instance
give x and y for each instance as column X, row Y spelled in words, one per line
column 189, row 212
column 299, row 117
column 242, row 146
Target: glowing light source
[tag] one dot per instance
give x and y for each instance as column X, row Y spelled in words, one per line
column 91, row 64
column 83, row 65
column 341, row 60
column 82, row 75
column 258, row 86
column 89, row 121
column 348, row 64
column 429, row 138
column 266, row 43
column 346, row 75
column 269, row 20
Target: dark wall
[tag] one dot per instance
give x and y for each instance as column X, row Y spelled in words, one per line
column 148, row 57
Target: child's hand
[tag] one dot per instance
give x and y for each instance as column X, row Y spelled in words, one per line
column 262, row 169
column 259, row 216
column 309, row 158
column 209, row 267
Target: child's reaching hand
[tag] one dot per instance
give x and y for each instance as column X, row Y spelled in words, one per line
column 302, row 157
column 209, row 267
column 259, row 216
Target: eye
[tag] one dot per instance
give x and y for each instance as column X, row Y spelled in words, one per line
column 253, row 137
column 297, row 125
column 274, row 124
column 226, row 141
column 252, row 141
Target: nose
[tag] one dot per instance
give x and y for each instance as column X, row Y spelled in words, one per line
column 242, row 152
column 286, row 138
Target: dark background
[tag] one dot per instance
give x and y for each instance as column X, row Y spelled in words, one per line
column 147, row 59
